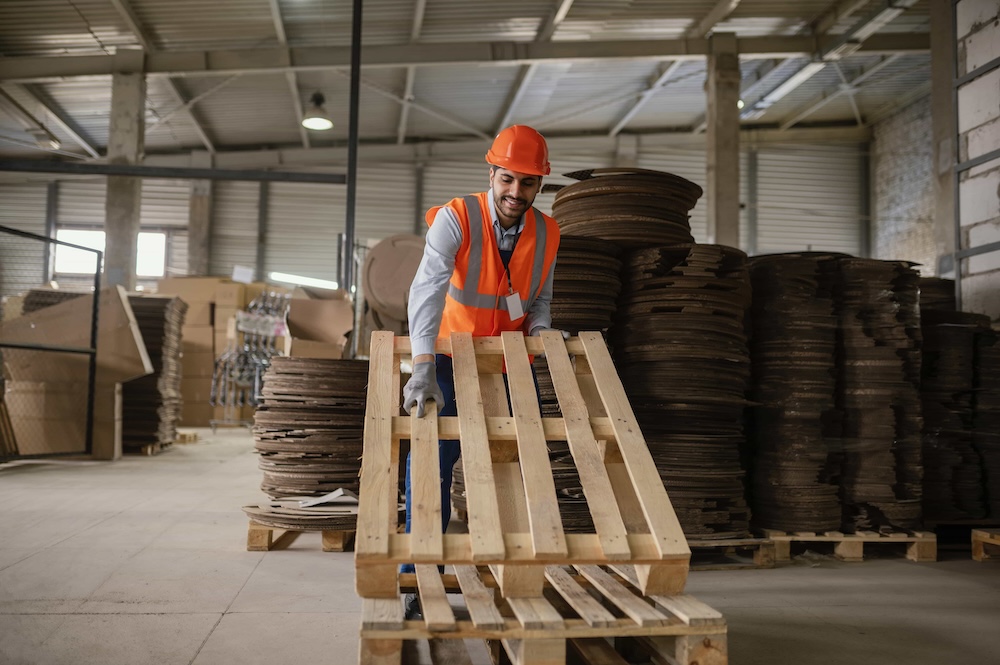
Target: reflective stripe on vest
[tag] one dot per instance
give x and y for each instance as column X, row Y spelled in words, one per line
column 470, row 295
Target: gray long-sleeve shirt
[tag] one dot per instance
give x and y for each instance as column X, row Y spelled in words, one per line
column 427, row 292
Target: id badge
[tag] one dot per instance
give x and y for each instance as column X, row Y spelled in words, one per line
column 514, row 306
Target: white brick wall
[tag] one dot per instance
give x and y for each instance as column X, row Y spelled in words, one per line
column 902, row 187
column 979, row 122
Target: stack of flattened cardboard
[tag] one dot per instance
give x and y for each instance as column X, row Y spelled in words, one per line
column 151, row 404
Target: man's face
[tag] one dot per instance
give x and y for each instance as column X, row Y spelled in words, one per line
column 513, row 192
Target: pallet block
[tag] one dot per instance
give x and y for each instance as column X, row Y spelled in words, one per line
column 985, row 544
column 920, row 545
column 262, row 538
column 580, row 608
column 513, row 513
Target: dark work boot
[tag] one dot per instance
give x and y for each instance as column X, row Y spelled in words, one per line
column 411, row 607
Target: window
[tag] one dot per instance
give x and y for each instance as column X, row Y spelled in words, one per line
column 151, row 254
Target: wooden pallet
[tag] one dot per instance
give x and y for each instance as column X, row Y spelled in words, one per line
column 985, row 544
column 262, row 538
column 187, row 437
column 581, row 608
column 734, row 554
column 151, row 449
column 513, row 513
column 920, row 545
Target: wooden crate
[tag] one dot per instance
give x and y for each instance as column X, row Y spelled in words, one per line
column 513, row 513
column 581, row 608
column 261, row 538
column 920, row 545
column 985, row 544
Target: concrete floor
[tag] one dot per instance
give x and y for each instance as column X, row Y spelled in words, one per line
column 143, row 561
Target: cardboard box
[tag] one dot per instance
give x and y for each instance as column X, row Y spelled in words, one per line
column 222, row 342
column 230, row 295
column 191, row 289
column 196, row 415
column 307, row 348
column 321, row 320
column 47, row 417
column 197, row 339
column 222, row 315
column 198, row 365
column 199, row 313
column 197, row 390
column 319, row 328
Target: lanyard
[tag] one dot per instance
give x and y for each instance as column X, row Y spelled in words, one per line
column 505, row 256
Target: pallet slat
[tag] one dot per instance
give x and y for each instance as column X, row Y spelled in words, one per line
column 547, row 537
column 377, row 487
column 633, row 606
column 426, row 540
column 477, row 464
column 582, row 602
column 586, row 453
column 656, row 506
column 434, row 605
column 478, row 599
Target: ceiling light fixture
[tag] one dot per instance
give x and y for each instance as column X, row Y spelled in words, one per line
column 316, row 116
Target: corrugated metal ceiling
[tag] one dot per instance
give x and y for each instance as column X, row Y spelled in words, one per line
column 560, row 97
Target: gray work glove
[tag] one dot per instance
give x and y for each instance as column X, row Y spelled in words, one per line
column 537, row 330
column 421, row 387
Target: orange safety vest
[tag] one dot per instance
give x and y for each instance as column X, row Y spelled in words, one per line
column 476, row 301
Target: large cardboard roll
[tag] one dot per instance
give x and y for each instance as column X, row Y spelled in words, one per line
column 389, row 268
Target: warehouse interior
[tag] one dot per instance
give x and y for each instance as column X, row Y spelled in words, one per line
column 781, row 219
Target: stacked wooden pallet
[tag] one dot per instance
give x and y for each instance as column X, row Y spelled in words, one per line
column 513, row 515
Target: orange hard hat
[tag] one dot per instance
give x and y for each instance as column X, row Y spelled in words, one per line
column 520, row 148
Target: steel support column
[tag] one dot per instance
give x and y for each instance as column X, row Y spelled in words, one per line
column 723, row 140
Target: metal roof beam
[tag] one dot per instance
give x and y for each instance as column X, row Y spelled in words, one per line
column 720, row 12
column 411, row 72
column 846, row 87
column 527, row 72
column 290, row 77
column 281, row 59
column 832, row 48
column 59, row 119
column 127, row 14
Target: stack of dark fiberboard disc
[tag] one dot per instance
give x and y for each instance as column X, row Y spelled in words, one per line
column 953, row 473
column 151, row 404
column 680, row 348
column 633, row 207
column 986, row 415
column 937, row 294
column 793, row 429
column 586, row 284
column 309, row 428
column 879, row 379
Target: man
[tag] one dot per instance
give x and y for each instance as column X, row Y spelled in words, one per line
column 487, row 268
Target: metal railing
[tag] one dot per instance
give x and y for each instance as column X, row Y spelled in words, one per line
column 47, row 388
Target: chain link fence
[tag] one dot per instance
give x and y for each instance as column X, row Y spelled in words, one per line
column 48, row 352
